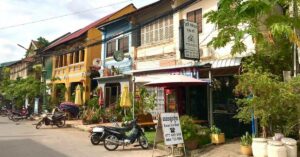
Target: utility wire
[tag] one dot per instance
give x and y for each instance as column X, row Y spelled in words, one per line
column 135, row 28
column 61, row 16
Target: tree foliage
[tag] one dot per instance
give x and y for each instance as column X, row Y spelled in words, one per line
column 268, row 22
column 18, row 90
column 274, row 103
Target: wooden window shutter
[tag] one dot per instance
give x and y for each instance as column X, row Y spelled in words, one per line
column 198, row 14
column 136, row 37
column 191, row 16
column 121, row 44
column 113, row 47
column 108, row 49
column 126, row 44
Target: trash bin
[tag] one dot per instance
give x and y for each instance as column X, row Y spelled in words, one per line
column 276, row 149
column 291, row 146
column 259, row 147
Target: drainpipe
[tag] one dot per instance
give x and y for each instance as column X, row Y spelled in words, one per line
column 133, row 95
column 210, row 117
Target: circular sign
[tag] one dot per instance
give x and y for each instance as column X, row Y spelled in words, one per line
column 118, row 56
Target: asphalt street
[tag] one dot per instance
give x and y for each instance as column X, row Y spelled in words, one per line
column 21, row 139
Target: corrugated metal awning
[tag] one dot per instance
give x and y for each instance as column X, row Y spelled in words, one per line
column 223, row 63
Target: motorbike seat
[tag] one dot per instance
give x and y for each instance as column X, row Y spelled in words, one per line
column 119, row 129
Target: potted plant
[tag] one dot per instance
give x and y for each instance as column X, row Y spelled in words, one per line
column 216, row 136
column 189, row 131
column 246, row 142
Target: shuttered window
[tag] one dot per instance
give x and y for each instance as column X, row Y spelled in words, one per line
column 71, row 58
column 196, row 16
column 82, row 52
column 157, row 31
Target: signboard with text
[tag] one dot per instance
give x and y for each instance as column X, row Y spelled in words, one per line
column 189, row 40
column 171, row 128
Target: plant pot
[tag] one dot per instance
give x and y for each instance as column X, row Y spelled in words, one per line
column 218, row 138
column 191, row 144
column 246, row 150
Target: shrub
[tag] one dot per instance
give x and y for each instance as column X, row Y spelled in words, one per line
column 215, row 130
column 189, row 129
column 246, row 140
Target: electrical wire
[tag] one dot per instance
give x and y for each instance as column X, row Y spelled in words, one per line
column 61, row 16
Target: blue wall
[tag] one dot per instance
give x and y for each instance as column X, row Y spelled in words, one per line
column 112, row 30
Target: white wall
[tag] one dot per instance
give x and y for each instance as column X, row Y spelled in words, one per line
column 209, row 31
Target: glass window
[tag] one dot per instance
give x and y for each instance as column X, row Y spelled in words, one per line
column 111, row 48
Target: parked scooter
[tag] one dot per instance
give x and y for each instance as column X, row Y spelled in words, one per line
column 117, row 136
column 98, row 133
column 16, row 116
column 55, row 118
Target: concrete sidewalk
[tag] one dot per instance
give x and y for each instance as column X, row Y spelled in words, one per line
column 79, row 125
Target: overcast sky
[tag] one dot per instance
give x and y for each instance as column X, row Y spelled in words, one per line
column 14, row 12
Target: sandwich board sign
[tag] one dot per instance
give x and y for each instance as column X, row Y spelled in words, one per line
column 171, row 128
column 169, row 131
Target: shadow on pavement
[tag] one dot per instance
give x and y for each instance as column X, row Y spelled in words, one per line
column 26, row 148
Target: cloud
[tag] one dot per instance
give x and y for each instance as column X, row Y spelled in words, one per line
column 16, row 12
column 10, row 51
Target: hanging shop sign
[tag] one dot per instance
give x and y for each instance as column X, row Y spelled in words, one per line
column 189, row 40
column 118, row 56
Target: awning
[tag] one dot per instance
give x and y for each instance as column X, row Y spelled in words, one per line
column 223, row 63
column 144, row 79
column 113, row 79
column 170, row 80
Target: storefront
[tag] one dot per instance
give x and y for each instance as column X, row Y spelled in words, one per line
column 181, row 91
column 113, row 87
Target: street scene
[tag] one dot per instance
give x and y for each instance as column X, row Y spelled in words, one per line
column 199, row 78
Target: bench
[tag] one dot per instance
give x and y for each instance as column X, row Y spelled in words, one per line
column 145, row 121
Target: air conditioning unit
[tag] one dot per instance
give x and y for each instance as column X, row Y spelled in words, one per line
column 206, row 52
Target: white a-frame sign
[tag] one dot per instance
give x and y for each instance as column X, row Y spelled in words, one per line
column 169, row 130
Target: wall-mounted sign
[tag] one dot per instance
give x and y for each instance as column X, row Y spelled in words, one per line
column 118, row 56
column 189, row 40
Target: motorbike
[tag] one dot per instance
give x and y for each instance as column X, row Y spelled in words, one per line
column 3, row 111
column 56, row 118
column 16, row 116
column 98, row 133
column 117, row 136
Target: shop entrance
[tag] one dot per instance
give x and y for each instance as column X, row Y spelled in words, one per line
column 112, row 93
column 187, row 100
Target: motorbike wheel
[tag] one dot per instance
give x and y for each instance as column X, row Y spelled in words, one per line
column 10, row 116
column 3, row 113
column 38, row 125
column 111, row 146
column 143, row 141
column 61, row 123
column 95, row 139
column 14, row 118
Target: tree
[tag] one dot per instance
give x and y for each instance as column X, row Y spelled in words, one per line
column 20, row 89
column 274, row 103
column 268, row 22
column 43, row 42
column 271, row 26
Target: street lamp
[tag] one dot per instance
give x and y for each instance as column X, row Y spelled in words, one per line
column 44, row 72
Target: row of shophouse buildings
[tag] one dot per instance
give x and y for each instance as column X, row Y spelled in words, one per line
column 131, row 47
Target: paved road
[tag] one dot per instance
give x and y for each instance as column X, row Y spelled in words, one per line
column 23, row 140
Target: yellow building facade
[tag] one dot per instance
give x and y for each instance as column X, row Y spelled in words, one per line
column 73, row 67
